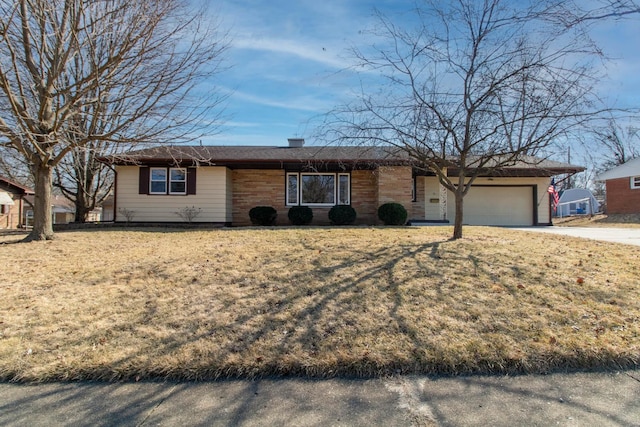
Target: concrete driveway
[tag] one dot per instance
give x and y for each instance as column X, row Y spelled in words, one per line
column 628, row 236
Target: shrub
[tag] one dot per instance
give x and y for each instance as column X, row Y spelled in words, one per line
column 300, row 215
column 392, row 214
column 128, row 214
column 188, row 214
column 342, row 215
column 263, row 215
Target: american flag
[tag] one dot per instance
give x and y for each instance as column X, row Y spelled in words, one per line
column 556, row 197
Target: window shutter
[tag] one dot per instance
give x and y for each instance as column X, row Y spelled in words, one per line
column 143, row 181
column 191, row 180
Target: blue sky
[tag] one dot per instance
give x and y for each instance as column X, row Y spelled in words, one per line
column 290, row 63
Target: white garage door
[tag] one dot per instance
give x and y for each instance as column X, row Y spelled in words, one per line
column 495, row 206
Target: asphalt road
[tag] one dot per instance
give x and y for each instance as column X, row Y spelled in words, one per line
column 580, row 399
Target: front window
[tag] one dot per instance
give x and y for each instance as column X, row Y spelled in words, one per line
column 292, row 189
column 317, row 189
column 158, row 181
column 635, row 182
column 343, row 189
column 168, row 181
column 177, row 181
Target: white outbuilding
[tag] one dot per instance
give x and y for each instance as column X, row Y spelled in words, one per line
column 577, row 201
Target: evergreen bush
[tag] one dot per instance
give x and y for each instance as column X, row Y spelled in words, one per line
column 300, row 215
column 342, row 215
column 392, row 214
column 263, row 215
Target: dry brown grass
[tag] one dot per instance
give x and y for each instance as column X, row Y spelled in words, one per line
column 135, row 304
column 600, row 220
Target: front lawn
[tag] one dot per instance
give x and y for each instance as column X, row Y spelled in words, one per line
column 321, row 302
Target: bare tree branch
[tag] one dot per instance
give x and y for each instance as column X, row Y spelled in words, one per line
column 475, row 87
column 78, row 74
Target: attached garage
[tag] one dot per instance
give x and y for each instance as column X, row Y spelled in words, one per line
column 497, row 205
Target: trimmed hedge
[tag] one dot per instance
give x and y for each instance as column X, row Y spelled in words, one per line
column 392, row 214
column 263, row 215
column 300, row 215
column 342, row 215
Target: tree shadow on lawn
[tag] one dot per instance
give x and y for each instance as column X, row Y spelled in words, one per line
column 306, row 323
column 292, row 341
column 311, row 332
column 10, row 237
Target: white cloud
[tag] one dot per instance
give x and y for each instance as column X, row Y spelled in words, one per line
column 266, row 136
column 317, row 53
column 300, row 103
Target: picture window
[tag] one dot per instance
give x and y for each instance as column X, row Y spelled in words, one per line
column 318, row 189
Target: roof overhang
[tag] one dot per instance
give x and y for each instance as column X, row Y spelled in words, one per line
column 626, row 170
column 14, row 187
column 331, row 158
column 5, row 199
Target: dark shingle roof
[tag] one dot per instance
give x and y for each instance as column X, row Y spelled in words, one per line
column 263, row 156
column 259, row 154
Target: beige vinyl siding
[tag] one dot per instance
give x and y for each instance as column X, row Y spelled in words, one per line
column 212, row 196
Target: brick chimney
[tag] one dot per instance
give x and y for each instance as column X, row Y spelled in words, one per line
column 295, row 142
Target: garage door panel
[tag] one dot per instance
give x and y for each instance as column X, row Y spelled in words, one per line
column 495, row 205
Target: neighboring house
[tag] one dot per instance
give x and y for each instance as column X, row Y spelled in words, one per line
column 13, row 203
column 577, row 201
column 107, row 214
column 224, row 182
column 62, row 211
column 94, row 215
column 622, row 185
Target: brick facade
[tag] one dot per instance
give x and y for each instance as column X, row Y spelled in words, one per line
column 394, row 185
column 621, row 198
column 364, row 196
column 11, row 216
column 369, row 189
column 258, row 187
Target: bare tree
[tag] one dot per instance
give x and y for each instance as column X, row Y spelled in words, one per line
column 14, row 167
column 140, row 61
column 606, row 146
column 79, row 176
column 83, row 179
column 572, row 13
column 620, row 143
column 474, row 87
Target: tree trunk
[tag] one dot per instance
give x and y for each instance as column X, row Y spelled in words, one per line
column 457, row 226
column 42, row 213
column 82, row 211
